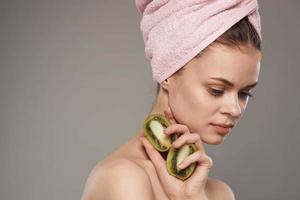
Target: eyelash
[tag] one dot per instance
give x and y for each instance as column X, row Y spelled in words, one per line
column 217, row 93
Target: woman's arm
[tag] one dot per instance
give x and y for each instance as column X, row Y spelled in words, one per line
column 124, row 180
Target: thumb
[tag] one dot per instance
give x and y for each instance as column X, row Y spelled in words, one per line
column 154, row 155
column 157, row 160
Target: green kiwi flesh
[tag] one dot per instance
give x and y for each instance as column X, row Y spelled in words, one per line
column 154, row 126
column 176, row 156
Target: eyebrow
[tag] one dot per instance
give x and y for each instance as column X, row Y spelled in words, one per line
column 225, row 81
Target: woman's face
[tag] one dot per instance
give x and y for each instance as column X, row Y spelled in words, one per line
column 214, row 89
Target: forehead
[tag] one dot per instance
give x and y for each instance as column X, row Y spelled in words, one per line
column 238, row 65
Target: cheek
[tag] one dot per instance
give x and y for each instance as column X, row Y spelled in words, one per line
column 203, row 110
column 192, row 108
column 202, row 100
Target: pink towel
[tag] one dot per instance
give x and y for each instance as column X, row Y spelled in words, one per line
column 175, row 31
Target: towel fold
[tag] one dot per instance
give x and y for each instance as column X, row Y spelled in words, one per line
column 175, row 31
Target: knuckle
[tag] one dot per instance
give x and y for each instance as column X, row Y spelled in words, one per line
column 205, row 160
column 197, row 155
column 185, row 128
column 185, row 135
column 196, row 136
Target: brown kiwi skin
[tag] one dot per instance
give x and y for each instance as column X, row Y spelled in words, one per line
column 182, row 174
column 155, row 143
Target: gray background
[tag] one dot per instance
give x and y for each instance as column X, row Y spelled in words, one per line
column 75, row 84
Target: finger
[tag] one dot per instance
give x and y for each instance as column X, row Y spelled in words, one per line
column 202, row 170
column 194, row 157
column 176, row 128
column 186, row 138
column 168, row 113
column 203, row 160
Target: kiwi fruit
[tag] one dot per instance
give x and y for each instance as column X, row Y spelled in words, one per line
column 154, row 126
column 176, row 156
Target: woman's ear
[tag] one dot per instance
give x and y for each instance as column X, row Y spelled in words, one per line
column 165, row 84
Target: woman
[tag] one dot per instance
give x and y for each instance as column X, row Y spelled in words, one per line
column 203, row 91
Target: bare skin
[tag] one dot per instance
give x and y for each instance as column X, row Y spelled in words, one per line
column 190, row 100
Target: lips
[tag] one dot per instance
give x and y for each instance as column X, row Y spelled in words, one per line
column 223, row 129
column 224, row 125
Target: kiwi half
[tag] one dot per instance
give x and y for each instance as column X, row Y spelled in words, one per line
column 176, row 156
column 154, row 126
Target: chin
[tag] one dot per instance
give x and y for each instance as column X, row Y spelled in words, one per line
column 212, row 139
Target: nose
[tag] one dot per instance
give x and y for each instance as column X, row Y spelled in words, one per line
column 232, row 107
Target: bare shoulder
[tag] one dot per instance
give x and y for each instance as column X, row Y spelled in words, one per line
column 118, row 179
column 217, row 189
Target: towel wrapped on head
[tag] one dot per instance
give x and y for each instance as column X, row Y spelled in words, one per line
column 175, row 31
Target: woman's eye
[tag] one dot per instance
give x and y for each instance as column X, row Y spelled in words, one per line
column 216, row 92
column 245, row 94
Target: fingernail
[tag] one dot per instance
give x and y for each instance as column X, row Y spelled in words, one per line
column 180, row 166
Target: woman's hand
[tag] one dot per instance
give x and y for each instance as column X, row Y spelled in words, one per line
column 194, row 187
